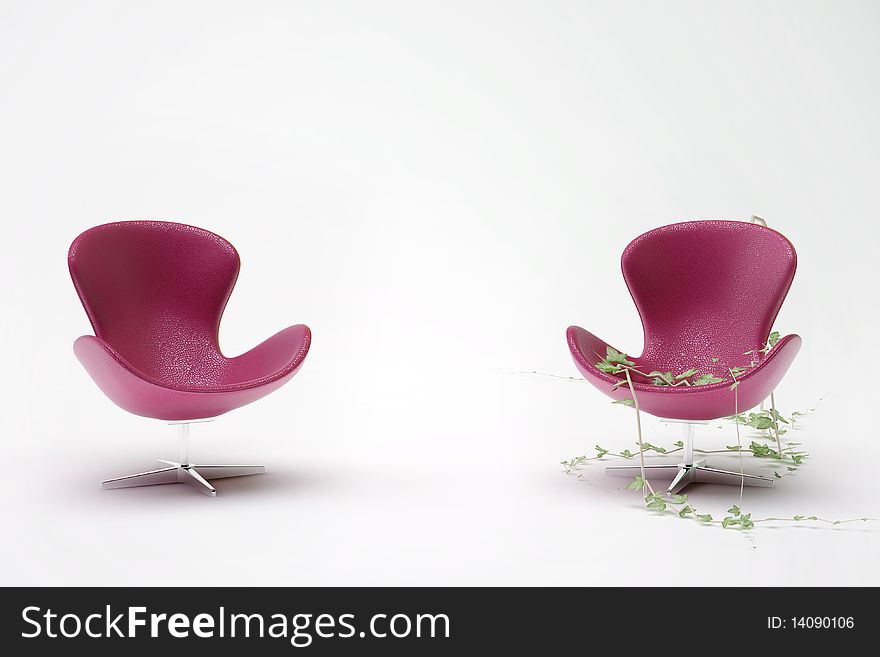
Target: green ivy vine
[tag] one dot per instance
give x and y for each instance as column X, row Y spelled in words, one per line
column 769, row 425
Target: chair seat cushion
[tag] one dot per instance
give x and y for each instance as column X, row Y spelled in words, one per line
column 686, row 402
column 260, row 371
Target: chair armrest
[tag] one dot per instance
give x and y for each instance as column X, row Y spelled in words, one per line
column 92, row 351
column 587, row 349
column 775, row 363
column 276, row 356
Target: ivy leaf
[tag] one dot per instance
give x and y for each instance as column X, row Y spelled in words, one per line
column 600, row 451
column 608, row 368
column 778, row 416
column 685, row 375
column 798, row 518
column 735, row 372
column 614, row 356
column 746, row 521
column 625, row 402
column 657, row 504
column 772, row 339
column 627, row 454
column 573, row 463
column 638, row 483
column 685, row 511
column 707, row 379
column 679, row 499
column 729, row 521
column 662, row 378
column 705, row 517
column 679, row 444
column 777, row 475
column 735, row 510
column 763, row 450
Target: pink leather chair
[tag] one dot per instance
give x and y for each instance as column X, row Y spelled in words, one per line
column 154, row 292
column 707, row 292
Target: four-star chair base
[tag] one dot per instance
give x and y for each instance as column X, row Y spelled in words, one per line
column 196, row 476
column 682, row 475
column 688, row 471
column 184, row 472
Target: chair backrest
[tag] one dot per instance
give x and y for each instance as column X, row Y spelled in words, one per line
column 155, row 291
column 707, row 289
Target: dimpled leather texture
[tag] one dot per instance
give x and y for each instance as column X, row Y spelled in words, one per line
column 154, row 292
column 704, row 290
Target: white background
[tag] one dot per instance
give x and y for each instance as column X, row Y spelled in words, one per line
column 437, row 189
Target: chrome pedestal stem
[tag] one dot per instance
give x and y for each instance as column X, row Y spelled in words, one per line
column 183, row 442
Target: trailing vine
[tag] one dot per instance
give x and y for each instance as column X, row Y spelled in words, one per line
column 770, row 426
column 681, row 506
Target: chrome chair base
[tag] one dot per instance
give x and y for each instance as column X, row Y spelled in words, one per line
column 689, row 471
column 682, row 475
column 184, row 472
column 193, row 475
